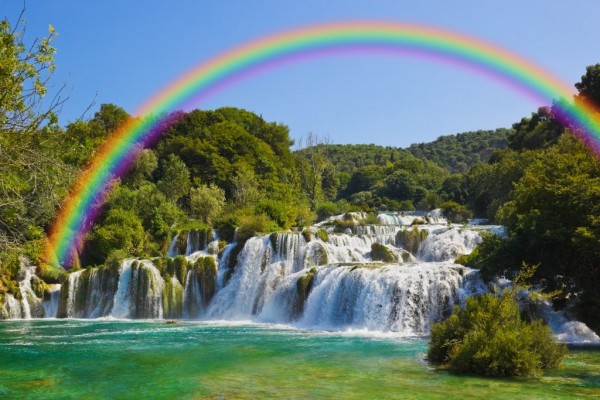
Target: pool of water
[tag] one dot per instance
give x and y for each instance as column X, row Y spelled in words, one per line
column 63, row 359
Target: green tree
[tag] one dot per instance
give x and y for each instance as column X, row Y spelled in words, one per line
column 207, row 202
column 589, row 87
column 489, row 337
column 33, row 178
column 313, row 164
column 122, row 230
column 552, row 219
column 245, row 187
column 400, row 185
column 455, row 212
column 539, row 131
column 364, row 179
column 143, row 167
column 175, row 178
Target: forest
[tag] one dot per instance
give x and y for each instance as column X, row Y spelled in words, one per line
column 229, row 169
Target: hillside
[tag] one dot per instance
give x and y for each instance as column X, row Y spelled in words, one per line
column 460, row 152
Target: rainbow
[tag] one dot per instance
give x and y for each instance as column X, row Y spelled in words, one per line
column 112, row 160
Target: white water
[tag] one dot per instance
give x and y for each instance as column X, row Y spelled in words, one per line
column 29, row 306
column 26, row 290
column 139, row 292
column 348, row 290
column 567, row 331
column 51, row 305
column 447, row 244
column 192, row 297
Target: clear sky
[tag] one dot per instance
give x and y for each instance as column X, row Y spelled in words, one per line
column 124, row 51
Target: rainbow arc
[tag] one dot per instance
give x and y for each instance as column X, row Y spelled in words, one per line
column 79, row 210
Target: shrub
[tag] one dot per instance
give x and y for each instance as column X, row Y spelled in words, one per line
column 489, row 256
column 226, row 227
column 379, row 252
column 326, row 209
column 323, row 235
column 488, row 337
column 277, row 211
column 307, row 235
column 410, row 240
column 406, row 205
column 371, row 219
column 342, row 226
column 250, row 225
column 455, row 212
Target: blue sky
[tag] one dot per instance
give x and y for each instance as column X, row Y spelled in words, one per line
column 123, row 52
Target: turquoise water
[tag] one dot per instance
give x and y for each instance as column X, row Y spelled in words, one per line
column 64, row 359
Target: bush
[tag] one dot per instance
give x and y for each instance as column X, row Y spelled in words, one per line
column 323, row 235
column 277, row 211
column 406, row 205
column 380, row 252
column 456, row 212
column 227, row 226
column 490, row 256
column 488, row 337
column 250, row 225
column 326, row 209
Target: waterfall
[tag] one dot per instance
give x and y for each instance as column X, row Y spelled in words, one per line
column 139, row 291
column 51, row 304
column 316, row 279
column 172, row 298
column 26, row 291
column 26, row 304
column 189, row 242
column 224, row 271
column 447, row 244
column 172, row 251
column 192, row 297
column 11, row 308
column 87, row 294
column 402, row 299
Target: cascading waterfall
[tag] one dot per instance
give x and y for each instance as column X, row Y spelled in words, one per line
column 139, row 292
column 88, row 294
column 447, row 244
column 28, row 304
column 51, row 304
column 318, row 279
column 399, row 298
column 192, row 297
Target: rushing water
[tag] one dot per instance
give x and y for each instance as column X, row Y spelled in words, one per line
column 100, row 359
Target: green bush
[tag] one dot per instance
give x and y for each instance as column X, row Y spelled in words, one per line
column 323, row 235
column 489, row 256
column 226, row 227
column 250, row 225
column 379, row 252
column 277, row 211
column 326, row 209
column 456, row 212
column 307, row 235
column 488, row 337
column 410, row 240
column 341, row 226
column 406, row 205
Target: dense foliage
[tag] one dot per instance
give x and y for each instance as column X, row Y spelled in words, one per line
column 547, row 188
column 488, row 337
column 460, row 152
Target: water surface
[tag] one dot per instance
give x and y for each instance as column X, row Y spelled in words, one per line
column 63, row 359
